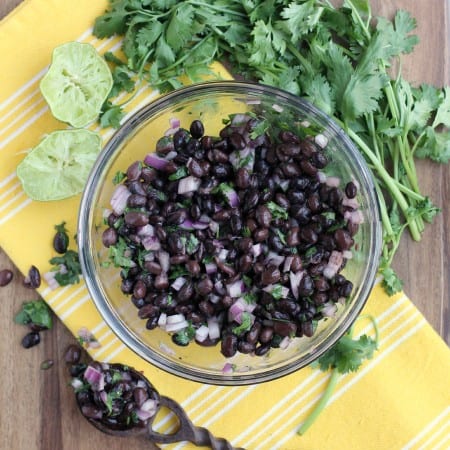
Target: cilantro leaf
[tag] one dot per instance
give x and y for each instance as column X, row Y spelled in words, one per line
column 67, row 268
column 35, row 312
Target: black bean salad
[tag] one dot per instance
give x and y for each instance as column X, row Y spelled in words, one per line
column 238, row 238
column 114, row 396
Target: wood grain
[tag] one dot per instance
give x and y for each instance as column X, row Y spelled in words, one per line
column 38, row 409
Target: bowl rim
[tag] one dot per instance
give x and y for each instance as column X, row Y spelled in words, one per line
column 110, row 316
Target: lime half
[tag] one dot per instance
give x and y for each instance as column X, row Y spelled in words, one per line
column 76, row 84
column 59, row 165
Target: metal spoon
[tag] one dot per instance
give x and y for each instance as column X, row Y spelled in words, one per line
column 186, row 430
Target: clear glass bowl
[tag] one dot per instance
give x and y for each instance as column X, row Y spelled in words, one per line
column 211, row 102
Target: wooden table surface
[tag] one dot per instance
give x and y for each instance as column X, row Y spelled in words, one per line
column 38, row 409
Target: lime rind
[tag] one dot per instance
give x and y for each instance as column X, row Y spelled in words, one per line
column 76, row 84
column 59, row 165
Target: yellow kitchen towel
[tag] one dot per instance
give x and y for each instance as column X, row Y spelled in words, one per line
column 398, row 400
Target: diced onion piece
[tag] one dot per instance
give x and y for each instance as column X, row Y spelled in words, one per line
column 333, row 181
column 277, row 108
column 356, row 217
column 155, row 161
column 164, row 260
column 174, row 122
column 178, row 283
column 213, row 327
column 146, row 230
column 294, row 279
column 350, row 202
column 201, row 333
column 321, row 140
column 275, row 258
column 119, row 199
column 284, row 344
column 334, row 263
column 178, row 326
column 151, row 243
column 76, row 383
column 95, row 378
column 188, row 184
column 162, row 320
column 347, row 254
column 329, row 309
column 227, row 368
column 236, row 289
column 210, row 268
column 175, row 318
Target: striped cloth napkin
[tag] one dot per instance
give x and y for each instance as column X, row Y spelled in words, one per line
column 398, row 400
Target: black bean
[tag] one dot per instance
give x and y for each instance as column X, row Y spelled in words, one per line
column 109, row 237
column 229, row 345
column 136, row 219
column 73, row 354
column 6, row 277
column 343, row 239
column 195, row 168
column 263, row 216
column 136, row 201
column 33, row 279
column 134, row 171
column 266, row 335
column 236, row 141
column 31, row 339
column 205, row 286
column 197, row 129
column 351, row 190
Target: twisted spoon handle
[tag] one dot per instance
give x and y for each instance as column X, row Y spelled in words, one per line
column 187, row 431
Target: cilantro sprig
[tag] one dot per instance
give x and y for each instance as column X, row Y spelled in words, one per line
column 347, row 355
column 338, row 57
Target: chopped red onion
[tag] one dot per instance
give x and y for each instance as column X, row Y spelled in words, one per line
column 155, row 161
column 178, row 283
column 329, row 309
column 321, row 140
column 277, row 108
column 287, row 263
column 256, row 250
column 356, row 217
column 284, row 291
column 284, row 344
column 104, row 397
column 350, row 202
column 236, row 289
column 95, row 378
column 210, row 268
column 162, row 320
column 149, row 405
column 49, row 277
column 175, row 318
column 227, row 368
column 201, row 333
column 334, row 263
column 119, row 199
column 347, row 254
column 146, row 230
column 171, row 155
column 213, row 327
column 151, row 243
column 321, row 177
column 178, row 326
column 76, row 383
column 294, row 279
column 235, row 312
column 174, row 122
column 275, row 258
column 188, row 184
column 333, row 181
column 164, row 260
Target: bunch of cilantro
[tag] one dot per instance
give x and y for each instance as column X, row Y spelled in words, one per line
column 340, row 58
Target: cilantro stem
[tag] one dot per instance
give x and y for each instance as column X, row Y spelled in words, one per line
column 387, row 179
column 322, row 403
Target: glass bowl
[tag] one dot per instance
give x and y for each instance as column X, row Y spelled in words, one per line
column 211, row 102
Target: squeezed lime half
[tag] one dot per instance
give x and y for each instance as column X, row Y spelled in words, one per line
column 76, row 84
column 59, row 165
